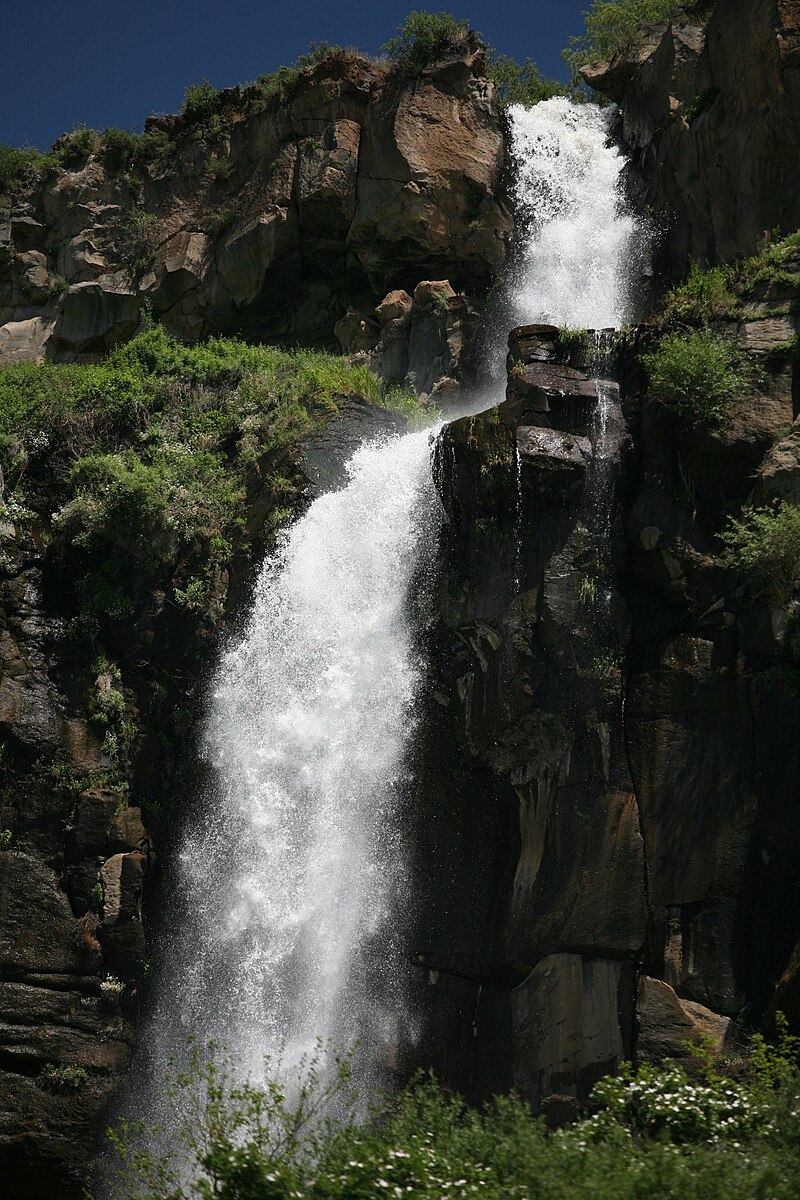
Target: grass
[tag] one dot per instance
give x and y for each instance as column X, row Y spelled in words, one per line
column 723, row 292
column 150, row 456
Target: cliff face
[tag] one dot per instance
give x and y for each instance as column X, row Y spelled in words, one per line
column 274, row 217
column 611, row 746
column 709, row 111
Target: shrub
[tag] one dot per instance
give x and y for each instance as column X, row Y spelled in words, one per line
column 612, row 25
column 708, row 292
column 62, row 1079
column 696, row 374
column 764, row 544
column 121, row 147
column 149, row 456
column 16, row 163
column 76, row 147
column 520, row 83
column 200, row 100
column 425, row 38
column 658, row 1135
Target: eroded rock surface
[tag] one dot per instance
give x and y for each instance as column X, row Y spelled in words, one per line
column 275, row 223
column 709, row 108
column 610, row 732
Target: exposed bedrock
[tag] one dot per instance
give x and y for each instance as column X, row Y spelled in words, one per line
column 611, row 772
column 287, row 215
column 709, row 110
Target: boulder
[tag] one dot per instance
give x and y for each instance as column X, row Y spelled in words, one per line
column 97, row 314
column 550, row 457
column 25, row 341
column 665, row 1023
column 393, row 306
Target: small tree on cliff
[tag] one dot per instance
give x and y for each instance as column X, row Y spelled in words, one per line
column 611, row 25
column 424, row 38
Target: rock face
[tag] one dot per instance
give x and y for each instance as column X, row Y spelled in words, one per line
column 709, row 108
column 82, row 741
column 277, row 219
column 611, row 773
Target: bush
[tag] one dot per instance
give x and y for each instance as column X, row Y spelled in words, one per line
column 74, row 148
column 520, row 83
column 764, row 544
column 696, row 374
column 149, row 457
column 659, row 1134
column 200, row 100
column 62, row 1079
column 425, row 38
column 612, row 25
column 16, row 163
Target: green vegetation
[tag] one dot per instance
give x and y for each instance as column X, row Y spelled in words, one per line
column 702, row 103
column 612, row 25
column 711, row 293
column 200, row 100
column 15, row 164
column 520, row 83
column 6, row 838
column 147, row 460
column 696, row 373
column 764, row 544
column 61, row 1079
column 424, row 38
column 662, row 1131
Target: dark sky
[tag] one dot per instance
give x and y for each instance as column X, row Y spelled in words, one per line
column 110, row 63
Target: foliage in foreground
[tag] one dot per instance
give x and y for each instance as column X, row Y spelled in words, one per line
column 696, row 373
column 660, row 1132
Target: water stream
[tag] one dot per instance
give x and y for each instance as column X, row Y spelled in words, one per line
column 294, row 876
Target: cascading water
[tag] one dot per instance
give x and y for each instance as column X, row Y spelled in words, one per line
column 578, row 241
column 293, row 878
column 300, row 876
column 574, row 265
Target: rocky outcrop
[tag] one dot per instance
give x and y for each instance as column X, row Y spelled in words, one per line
column 276, row 218
column 610, row 726
column 95, row 767
column 709, row 112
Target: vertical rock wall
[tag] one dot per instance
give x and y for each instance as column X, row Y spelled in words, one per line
column 612, row 801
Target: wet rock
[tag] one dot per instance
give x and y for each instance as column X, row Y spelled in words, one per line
column 550, row 457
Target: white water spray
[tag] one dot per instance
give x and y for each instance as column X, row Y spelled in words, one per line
column 297, row 878
column 295, row 882
column 578, row 241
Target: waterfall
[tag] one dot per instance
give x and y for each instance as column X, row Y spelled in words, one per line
column 576, row 239
column 294, row 874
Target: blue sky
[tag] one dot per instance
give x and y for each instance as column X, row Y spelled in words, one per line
column 108, row 63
